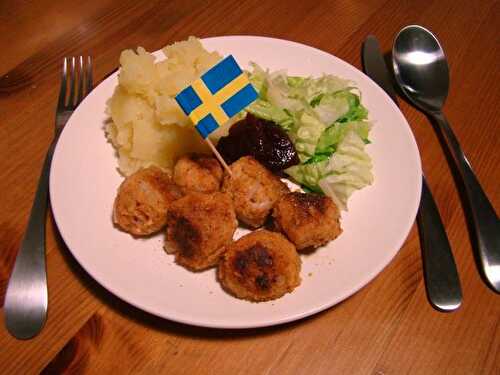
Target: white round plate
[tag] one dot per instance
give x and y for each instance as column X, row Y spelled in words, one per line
column 84, row 182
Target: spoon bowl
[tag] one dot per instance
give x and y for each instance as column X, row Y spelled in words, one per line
column 417, row 54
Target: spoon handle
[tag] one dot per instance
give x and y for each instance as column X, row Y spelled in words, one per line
column 440, row 270
column 485, row 220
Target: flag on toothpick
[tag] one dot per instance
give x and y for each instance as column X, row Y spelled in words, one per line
column 218, row 95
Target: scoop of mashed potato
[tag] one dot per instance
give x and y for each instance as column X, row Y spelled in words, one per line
column 147, row 126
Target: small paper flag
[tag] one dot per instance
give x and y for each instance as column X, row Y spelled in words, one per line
column 217, row 96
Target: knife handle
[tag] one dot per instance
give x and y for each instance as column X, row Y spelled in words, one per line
column 440, row 271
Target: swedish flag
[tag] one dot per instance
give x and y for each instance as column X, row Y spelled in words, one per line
column 218, row 95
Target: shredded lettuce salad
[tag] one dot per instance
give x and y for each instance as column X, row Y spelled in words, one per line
column 328, row 125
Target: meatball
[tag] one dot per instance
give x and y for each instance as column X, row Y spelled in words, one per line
column 143, row 200
column 201, row 173
column 260, row 266
column 308, row 220
column 254, row 190
column 199, row 226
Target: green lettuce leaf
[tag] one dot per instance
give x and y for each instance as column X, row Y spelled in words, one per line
column 328, row 125
column 331, row 137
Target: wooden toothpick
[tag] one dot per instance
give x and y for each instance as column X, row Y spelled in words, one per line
column 218, row 156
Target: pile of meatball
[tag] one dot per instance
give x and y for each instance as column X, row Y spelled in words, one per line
column 200, row 206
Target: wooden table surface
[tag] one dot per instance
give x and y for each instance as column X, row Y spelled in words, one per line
column 386, row 328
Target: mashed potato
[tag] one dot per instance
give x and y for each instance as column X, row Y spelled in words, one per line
column 147, row 126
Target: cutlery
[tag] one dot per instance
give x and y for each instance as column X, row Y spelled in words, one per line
column 421, row 70
column 440, row 272
column 26, row 298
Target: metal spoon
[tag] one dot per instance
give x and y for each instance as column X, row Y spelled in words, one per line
column 442, row 282
column 421, row 71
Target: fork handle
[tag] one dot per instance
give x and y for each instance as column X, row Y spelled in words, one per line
column 26, row 298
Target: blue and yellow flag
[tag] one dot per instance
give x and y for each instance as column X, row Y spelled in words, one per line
column 217, row 96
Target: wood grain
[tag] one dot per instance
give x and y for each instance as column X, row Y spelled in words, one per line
column 386, row 328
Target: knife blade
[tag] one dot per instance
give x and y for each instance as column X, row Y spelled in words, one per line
column 442, row 283
column 375, row 67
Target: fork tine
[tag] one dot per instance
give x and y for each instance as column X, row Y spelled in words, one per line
column 72, row 84
column 62, row 90
column 89, row 84
column 81, row 73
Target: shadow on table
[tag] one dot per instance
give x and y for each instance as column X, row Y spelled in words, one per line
column 154, row 322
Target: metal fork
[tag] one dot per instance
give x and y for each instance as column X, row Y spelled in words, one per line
column 26, row 298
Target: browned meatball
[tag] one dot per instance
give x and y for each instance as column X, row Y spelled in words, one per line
column 199, row 226
column 254, row 190
column 308, row 220
column 201, row 173
column 143, row 200
column 260, row 266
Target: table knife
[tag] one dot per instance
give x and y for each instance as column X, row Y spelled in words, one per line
column 442, row 283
